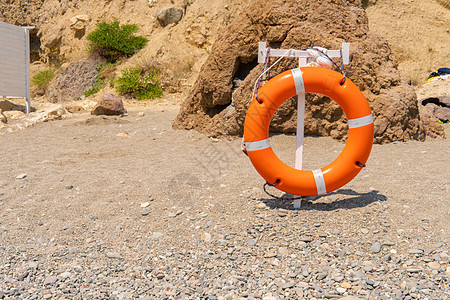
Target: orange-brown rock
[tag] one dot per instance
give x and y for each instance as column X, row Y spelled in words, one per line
column 217, row 106
column 110, row 105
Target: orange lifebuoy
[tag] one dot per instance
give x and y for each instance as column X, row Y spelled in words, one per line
column 309, row 80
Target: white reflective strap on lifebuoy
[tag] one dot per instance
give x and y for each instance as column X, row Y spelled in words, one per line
column 298, row 80
column 320, row 182
column 258, row 145
column 360, row 122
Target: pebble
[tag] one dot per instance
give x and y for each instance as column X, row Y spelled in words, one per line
column 145, row 212
column 376, row 247
column 346, row 285
column 282, row 214
column 175, row 214
column 251, row 242
column 261, row 205
column 65, row 275
column 270, row 255
column 364, row 230
column 434, row 265
column 113, row 255
column 368, row 268
column 157, row 235
column 69, row 187
column 21, row 176
column 250, row 251
column 415, row 251
column 206, row 237
column 50, row 280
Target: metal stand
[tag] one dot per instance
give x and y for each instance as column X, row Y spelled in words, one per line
column 303, row 57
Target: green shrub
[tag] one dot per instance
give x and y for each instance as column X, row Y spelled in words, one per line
column 112, row 40
column 100, row 83
column 104, row 74
column 43, row 78
column 139, row 84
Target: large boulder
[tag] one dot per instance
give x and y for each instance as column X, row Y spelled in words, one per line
column 110, row 105
column 218, row 102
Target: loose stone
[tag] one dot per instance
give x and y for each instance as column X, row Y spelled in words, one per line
column 376, row 247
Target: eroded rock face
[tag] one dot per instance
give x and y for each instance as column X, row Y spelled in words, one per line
column 216, row 106
column 70, row 84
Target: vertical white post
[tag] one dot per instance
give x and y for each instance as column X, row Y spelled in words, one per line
column 300, row 131
column 27, row 70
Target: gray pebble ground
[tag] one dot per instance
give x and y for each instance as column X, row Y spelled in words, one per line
column 75, row 224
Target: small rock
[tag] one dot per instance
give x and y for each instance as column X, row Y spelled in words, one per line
column 336, row 231
column 283, row 250
column 170, row 16
column 368, row 268
column 78, row 22
column 141, row 114
column 113, row 255
column 174, row 214
column 434, row 265
column 206, row 237
column 305, row 239
column 65, row 275
column 389, row 244
column 413, row 270
column 376, row 247
column 360, row 274
column 288, row 285
column 69, row 187
column 50, row 280
column 21, row 176
column 415, row 251
column 256, row 190
column 251, row 242
column 145, row 204
column 322, row 276
column 270, row 254
column 123, row 134
column 364, row 230
column 282, row 213
column 157, row 235
column 346, row 285
column 261, row 205
column 145, row 213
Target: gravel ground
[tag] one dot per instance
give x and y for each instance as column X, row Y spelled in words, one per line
column 120, row 208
